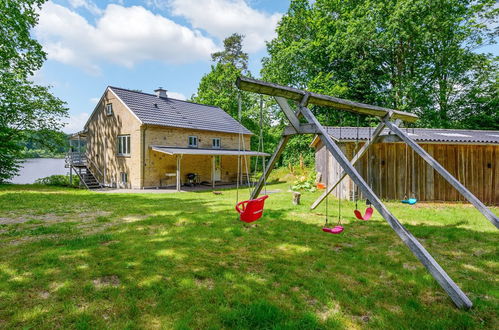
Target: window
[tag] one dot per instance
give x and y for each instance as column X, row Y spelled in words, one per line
column 193, row 141
column 215, row 144
column 124, row 145
column 124, row 178
column 109, row 109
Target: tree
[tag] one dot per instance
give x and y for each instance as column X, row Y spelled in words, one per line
column 413, row 55
column 233, row 53
column 218, row 88
column 23, row 104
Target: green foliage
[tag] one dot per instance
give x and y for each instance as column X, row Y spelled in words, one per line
column 59, row 180
column 44, row 144
column 233, row 53
column 218, row 88
column 304, row 183
column 417, row 56
column 24, row 106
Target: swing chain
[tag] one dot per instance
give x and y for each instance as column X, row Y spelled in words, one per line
column 341, row 183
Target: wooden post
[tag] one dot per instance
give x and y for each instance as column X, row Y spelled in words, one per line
column 212, row 172
column 454, row 292
column 443, row 172
column 79, row 149
column 178, row 172
column 71, row 174
column 296, row 198
column 343, row 174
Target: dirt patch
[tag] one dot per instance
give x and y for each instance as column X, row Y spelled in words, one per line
column 409, row 266
column 108, row 243
column 94, row 228
column 29, row 239
column 327, row 312
column 107, row 281
column 431, row 297
column 134, row 218
column 206, row 283
column 52, row 218
column 365, row 318
column 44, row 294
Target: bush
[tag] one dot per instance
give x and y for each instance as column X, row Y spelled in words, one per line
column 59, row 180
column 306, row 183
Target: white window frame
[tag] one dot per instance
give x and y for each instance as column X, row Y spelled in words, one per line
column 109, row 109
column 123, row 145
column 124, row 178
column 216, row 143
column 194, row 139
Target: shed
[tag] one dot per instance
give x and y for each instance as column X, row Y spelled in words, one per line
column 394, row 171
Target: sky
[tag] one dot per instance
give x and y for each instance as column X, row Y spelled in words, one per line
column 142, row 44
column 145, row 44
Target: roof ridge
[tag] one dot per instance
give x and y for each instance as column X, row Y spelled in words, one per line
column 150, row 94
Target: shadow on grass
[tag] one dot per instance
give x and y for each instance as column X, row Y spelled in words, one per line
column 190, row 264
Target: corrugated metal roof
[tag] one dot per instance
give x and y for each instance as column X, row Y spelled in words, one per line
column 212, row 152
column 420, row 134
column 153, row 110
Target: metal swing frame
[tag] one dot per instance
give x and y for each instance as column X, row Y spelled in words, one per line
column 283, row 94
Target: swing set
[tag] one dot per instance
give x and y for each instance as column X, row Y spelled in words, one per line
column 302, row 121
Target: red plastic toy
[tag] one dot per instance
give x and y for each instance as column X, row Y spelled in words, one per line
column 252, row 209
column 365, row 217
column 335, row 230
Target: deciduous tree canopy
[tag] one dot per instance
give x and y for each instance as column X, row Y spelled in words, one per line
column 23, row 104
column 413, row 55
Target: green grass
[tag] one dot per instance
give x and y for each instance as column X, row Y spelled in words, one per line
column 77, row 259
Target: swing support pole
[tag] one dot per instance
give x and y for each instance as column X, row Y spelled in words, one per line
column 281, row 93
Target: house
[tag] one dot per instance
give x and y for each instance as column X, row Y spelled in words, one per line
column 394, row 171
column 139, row 140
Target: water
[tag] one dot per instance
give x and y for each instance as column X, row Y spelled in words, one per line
column 35, row 168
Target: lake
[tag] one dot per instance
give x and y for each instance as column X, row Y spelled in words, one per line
column 35, row 168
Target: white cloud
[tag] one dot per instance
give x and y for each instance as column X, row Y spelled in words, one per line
column 221, row 18
column 178, row 96
column 87, row 4
column 121, row 35
column 76, row 122
column 94, row 100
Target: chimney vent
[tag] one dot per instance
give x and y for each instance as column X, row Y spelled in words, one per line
column 160, row 92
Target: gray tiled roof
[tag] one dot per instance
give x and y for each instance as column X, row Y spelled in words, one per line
column 153, row 110
column 421, row 134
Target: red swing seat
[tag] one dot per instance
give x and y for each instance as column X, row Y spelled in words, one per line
column 334, row 230
column 366, row 216
column 251, row 210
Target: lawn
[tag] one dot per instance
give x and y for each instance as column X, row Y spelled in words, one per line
column 79, row 259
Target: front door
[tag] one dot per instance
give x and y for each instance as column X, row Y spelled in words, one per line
column 217, row 170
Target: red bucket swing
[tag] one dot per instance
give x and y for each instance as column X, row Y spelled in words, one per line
column 252, row 209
